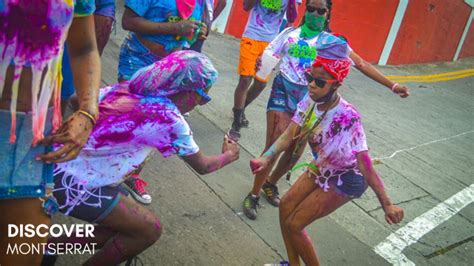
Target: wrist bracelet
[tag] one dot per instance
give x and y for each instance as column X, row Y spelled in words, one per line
column 88, row 115
column 393, row 86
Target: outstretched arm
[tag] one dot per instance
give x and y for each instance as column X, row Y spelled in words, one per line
column 281, row 144
column 370, row 71
column 204, row 164
column 393, row 213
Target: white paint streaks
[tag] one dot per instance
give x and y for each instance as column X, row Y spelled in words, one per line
column 423, row 144
column 392, row 35
column 392, row 247
column 464, row 34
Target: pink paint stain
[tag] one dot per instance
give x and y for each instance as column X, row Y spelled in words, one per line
column 32, row 34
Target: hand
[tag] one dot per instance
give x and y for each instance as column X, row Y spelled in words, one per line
column 185, row 28
column 402, row 91
column 258, row 64
column 203, row 32
column 231, row 147
column 73, row 135
column 393, row 214
column 259, row 164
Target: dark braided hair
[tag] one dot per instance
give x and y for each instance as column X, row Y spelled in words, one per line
column 328, row 18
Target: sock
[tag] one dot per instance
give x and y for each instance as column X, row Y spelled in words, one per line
column 237, row 117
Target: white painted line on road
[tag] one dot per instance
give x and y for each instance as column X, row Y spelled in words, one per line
column 423, row 144
column 391, row 248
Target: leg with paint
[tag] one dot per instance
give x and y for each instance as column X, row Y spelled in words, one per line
column 137, row 228
column 103, row 28
column 21, row 211
column 303, row 204
column 254, row 91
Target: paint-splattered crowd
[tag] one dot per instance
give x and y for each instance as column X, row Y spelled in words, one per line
column 88, row 164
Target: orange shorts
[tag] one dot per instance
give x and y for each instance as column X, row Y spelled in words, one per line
column 250, row 51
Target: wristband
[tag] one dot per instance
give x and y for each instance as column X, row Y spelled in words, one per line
column 393, row 87
column 88, row 115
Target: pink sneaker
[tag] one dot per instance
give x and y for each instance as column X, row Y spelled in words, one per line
column 136, row 186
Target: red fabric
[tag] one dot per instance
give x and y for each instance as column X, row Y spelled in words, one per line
column 339, row 69
column 185, row 8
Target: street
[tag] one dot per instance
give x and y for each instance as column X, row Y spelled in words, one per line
column 424, row 145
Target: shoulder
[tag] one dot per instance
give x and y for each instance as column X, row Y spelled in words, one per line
column 348, row 109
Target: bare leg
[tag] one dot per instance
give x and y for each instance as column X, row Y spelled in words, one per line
column 241, row 91
column 137, row 228
column 297, row 193
column 103, row 28
column 277, row 122
column 21, row 211
column 102, row 234
column 254, row 91
column 314, row 206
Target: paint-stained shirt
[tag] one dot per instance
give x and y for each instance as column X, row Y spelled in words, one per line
column 32, row 34
column 130, row 126
column 336, row 141
column 165, row 11
column 265, row 19
column 83, row 8
column 297, row 53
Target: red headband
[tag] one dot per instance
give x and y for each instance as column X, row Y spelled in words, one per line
column 338, row 68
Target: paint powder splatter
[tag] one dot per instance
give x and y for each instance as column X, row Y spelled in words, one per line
column 32, row 34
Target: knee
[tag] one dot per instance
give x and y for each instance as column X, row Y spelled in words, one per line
column 284, row 208
column 153, row 232
column 292, row 226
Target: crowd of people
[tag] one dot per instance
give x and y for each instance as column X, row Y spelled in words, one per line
column 88, row 164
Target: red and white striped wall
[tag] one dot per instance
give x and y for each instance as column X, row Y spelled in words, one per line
column 389, row 31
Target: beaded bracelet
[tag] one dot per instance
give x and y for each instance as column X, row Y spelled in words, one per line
column 91, row 117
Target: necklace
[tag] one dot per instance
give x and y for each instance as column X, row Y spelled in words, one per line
column 302, row 136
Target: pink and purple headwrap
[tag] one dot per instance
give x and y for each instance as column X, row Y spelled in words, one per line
column 178, row 72
column 338, row 68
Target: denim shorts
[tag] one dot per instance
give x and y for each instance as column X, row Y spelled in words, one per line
column 94, row 208
column 285, row 95
column 21, row 175
column 133, row 56
column 353, row 185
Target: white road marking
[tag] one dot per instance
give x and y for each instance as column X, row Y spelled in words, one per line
column 391, row 248
column 423, row 144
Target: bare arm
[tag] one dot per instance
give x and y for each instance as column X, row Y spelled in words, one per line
column 281, row 144
column 86, row 69
column 207, row 164
column 393, row 213
column 249, row 4
column 370, row 71
column 133, row 22
column 221, row 4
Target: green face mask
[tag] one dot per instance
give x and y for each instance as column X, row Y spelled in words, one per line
column 313, row 25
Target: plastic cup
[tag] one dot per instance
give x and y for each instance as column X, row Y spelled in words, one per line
column 269, row 62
